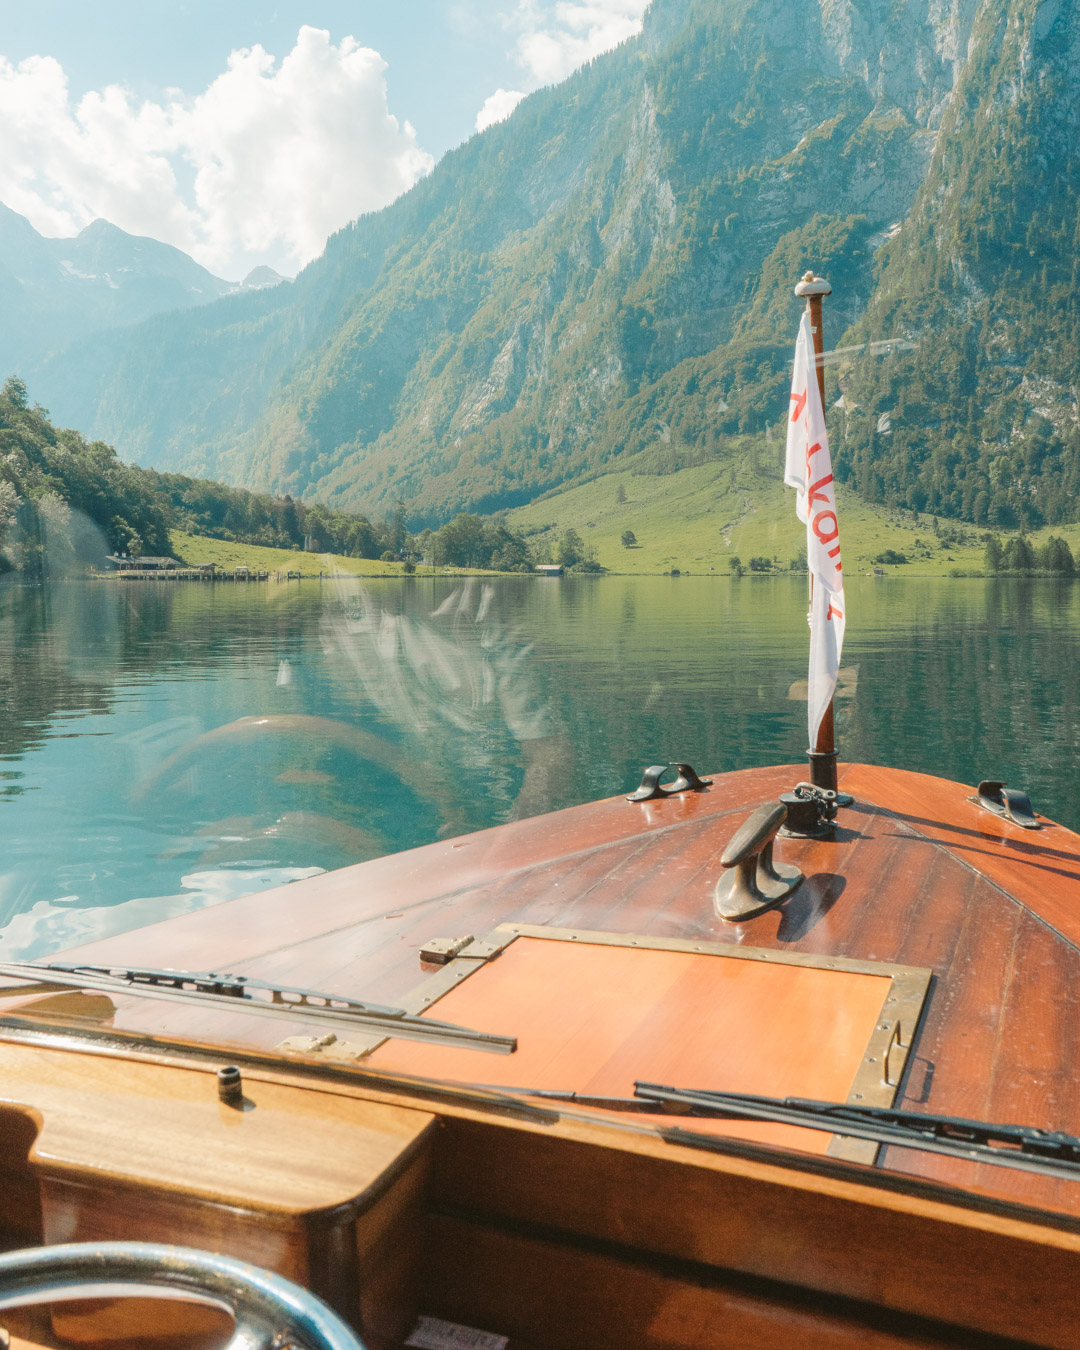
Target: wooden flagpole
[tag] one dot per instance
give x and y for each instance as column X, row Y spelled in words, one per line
column 822, row 755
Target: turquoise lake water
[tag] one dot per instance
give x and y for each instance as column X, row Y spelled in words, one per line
column 167, row 746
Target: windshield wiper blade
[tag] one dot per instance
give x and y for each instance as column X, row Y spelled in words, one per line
column 242, row 993
column 1022, row 1147
column 212, row 982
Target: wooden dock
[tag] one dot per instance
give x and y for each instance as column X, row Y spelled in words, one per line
column 194, row 574
column 236, row 574
column 207, row 574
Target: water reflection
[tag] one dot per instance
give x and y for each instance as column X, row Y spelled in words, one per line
column 163, row 747
column 458, row 688
column 48, row 926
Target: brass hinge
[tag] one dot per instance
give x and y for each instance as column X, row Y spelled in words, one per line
column 327, row 1047
column 481, row 951
column 440, row 951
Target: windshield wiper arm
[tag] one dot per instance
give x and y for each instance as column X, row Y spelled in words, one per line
column 241, row 993
column 1023, row 1147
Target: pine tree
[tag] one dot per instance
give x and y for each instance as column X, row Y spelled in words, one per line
column 1019, row 556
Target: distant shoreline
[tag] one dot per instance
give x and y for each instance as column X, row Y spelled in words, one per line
column 182, row 575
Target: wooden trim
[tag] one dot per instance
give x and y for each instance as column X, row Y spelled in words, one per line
column 543, row 1290
column 903, row 1192
column 830, row 1227
column 907, row 1261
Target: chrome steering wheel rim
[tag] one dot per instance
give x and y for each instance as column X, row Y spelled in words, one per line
column 269, row 1311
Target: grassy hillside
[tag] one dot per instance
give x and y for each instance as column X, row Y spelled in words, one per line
column 697, row 518
column 197, row 548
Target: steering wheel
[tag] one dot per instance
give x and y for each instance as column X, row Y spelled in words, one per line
column 270, row 1312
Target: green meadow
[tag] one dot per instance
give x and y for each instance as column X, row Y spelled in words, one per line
column 196, row 548
column 697, row 519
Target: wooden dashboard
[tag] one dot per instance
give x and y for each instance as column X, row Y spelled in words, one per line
column 548, row 1228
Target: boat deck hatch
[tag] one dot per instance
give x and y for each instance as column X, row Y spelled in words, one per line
column 593, row 1012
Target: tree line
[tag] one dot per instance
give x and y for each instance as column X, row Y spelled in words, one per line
column 1020, row 555
column 67, row 501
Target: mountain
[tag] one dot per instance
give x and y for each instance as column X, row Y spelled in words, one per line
column 55, row 291
column 610, row 271
column 261, row 277
column 980, row 421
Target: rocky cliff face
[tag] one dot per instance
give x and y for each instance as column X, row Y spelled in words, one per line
column 611, row 269
column 909, row 55
column 982, row 278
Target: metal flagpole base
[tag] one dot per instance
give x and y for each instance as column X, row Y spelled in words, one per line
column 823, row 774
column 823, row 768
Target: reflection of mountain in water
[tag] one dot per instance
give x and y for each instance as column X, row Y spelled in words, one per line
column 64, row 648
column 976, row 680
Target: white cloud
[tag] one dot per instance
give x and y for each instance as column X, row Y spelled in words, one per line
column 259, row 167
column 497, row 107
column 554, row 39
column 554, row 43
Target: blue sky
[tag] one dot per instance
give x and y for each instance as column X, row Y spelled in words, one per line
column 245, row 132
column 443, row 59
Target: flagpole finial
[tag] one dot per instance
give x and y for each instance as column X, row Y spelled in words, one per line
column 811, row 286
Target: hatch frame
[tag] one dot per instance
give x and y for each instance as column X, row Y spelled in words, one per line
column 882, row 1065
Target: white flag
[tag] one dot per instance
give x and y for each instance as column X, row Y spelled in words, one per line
column 808, row 469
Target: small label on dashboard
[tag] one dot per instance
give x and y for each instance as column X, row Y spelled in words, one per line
column 432, row 1333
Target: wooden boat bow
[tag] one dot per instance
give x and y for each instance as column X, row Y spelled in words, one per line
column 502, row 1199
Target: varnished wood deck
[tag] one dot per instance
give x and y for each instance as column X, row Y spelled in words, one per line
column 916, row 875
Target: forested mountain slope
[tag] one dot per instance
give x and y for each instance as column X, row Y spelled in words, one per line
column 611, row 270
column 980, row 421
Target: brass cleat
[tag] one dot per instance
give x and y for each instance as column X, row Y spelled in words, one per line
column 752, row 881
